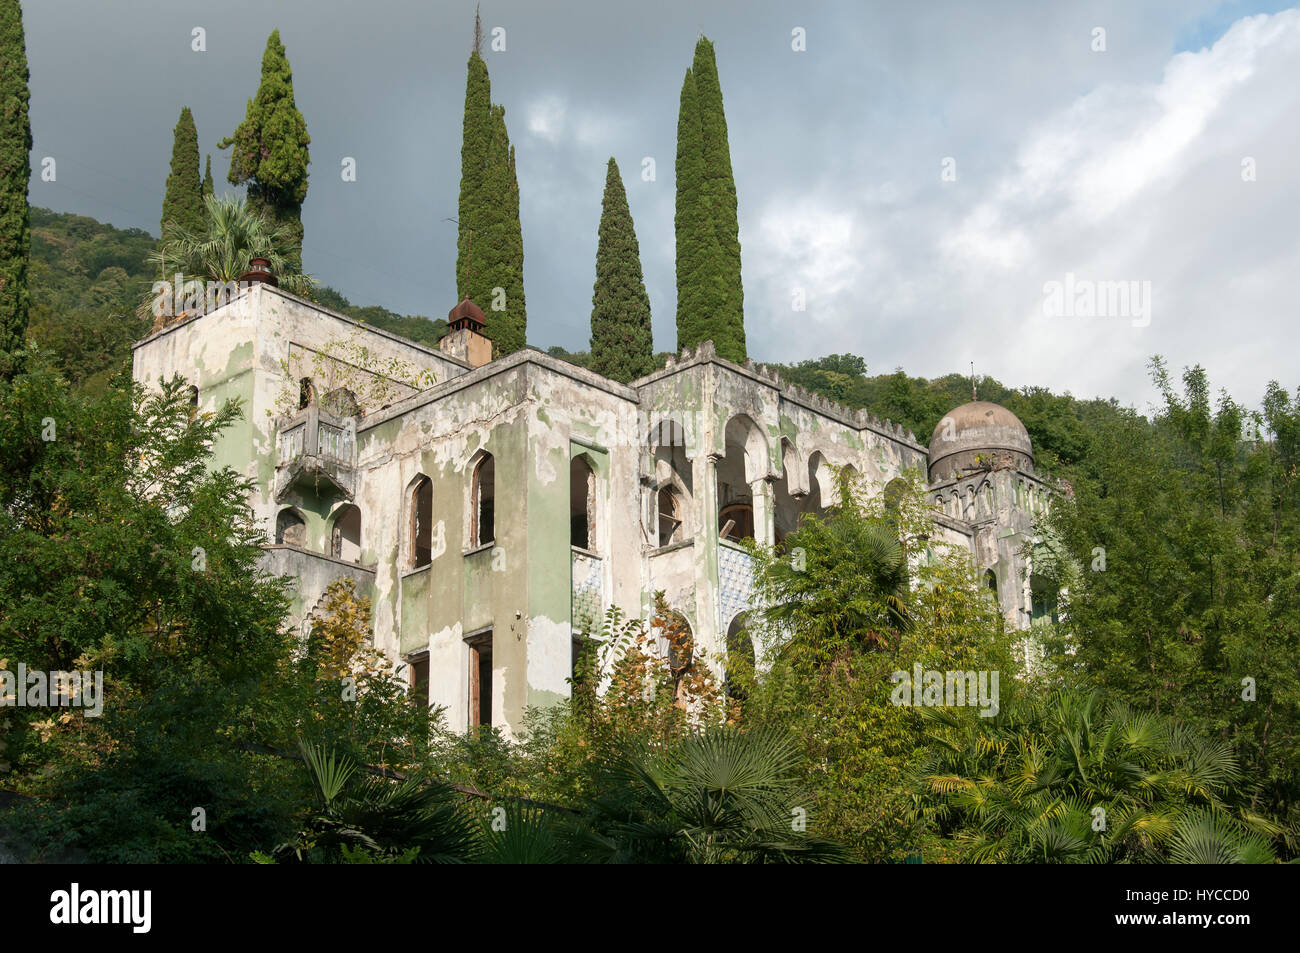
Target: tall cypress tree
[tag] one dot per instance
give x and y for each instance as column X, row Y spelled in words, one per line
column 722, row 187
column 208, row 187
column 15, row 172
column 489, row 245
column 270, row 151
column 710, row 295
column 183, row 200
column 476, row 139
column 622, row 344
column 513, row 321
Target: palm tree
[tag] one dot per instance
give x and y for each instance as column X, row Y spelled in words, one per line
column 377, row 818
column 720, row 796
column 1076, row 780
column 236, row 233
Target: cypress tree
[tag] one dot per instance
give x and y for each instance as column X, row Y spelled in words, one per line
column 622, row 344
column 15, row 171
column 710, row 295
column 183, row 200
column 209, row 189
column 270, row 151
column 721, row 189
column 476, row 138
column 515, row 333
column 490, row 250
column 698, row 297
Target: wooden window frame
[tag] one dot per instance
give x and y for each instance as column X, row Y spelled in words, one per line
column 479, row 644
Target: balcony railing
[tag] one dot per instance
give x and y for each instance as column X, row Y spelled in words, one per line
column 317, row 451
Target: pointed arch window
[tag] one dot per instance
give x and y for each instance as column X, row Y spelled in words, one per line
column 421, row 522
column 670, row 521
column 582, row 503
column 290, row 528
column 483, row 502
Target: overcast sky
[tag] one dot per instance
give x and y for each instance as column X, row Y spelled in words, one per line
column 1117, row 165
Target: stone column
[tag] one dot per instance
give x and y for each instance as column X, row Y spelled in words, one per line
column 764, row 511
column 705, row 478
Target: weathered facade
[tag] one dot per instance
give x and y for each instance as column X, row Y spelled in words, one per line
column 492, row 509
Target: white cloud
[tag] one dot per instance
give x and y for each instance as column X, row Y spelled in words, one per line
column 546, row 118
column 1132, row 181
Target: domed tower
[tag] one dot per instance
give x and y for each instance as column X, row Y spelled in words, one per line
column 465, row 339
column 980, row 435
column 981, row 467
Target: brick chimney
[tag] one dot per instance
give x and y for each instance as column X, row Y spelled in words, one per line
column 464, row 338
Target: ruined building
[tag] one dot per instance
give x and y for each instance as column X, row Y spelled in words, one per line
column 492, row 508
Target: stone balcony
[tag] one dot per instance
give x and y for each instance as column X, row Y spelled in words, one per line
column 318, row 452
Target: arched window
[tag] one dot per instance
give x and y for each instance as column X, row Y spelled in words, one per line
column 341, row 402
column 788, row 494
column 736, row 522
column 345, row 534
column 895, row 490
column 744, row 463
column 819, row 473
column 306, row 393
column 421, row 525
column 582, row 503
column 740, row 657
column 290, row 528
column 991, row 582
column 194, row 402
column 482, row 508
column 670, row 522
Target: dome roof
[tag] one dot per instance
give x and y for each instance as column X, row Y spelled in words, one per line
column 978, row 428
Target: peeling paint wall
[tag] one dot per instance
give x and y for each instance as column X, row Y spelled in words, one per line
column 698, row 421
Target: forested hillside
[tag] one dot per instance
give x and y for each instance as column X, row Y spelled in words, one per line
column 88, row 278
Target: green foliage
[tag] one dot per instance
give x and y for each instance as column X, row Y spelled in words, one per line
column 122, row 551
column 823, row 609
column 1183, row 538
column 476, row 139
column 372, row 819
column 235, row 233
column 208, row 188
column 1071, row 779
column 580, row 358
column 15, row 171
column 622, row 344
column 87, row 283
column 413, row 327
column 1060, row 425
column 515, row 832
column 844, row 612
column 87, row 280
column 710, row 294
column 718, row 796
column 490, row 249
column 99, row 530
column 270, row 149
column 183, row 201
